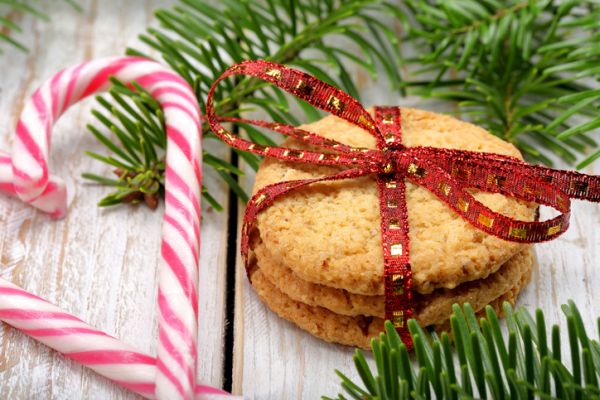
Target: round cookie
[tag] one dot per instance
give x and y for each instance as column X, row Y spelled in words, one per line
column 329, row 233
column 352, row 331
column 431, row 308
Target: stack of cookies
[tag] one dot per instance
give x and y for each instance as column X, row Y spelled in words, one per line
column 317, row 259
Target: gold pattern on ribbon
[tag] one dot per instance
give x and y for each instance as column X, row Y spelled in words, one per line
column 554, row 229
column 562, row 202
column 260, row 199
column 303, row 89
column 274, row 72
column 398, row 284
column 392, row 203
column 365, row 122
column 387, row 119
column 396, row 249
column 294, row 153
column 394, row 224
column 485, row 220
column 228, row 135
column 579, row 186
column 497, row 180
column 463, row 174
column 398, row 319
column 336, row 103
column 462, row 205
column 417, row 171
column 444, row 188
column 329, row 157
column 391, row 184
column 520, row 233
column 531, row 190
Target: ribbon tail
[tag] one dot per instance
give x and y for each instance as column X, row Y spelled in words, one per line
column 453, row 192
column 396, row 250
column 395, row 238
column 499, row 168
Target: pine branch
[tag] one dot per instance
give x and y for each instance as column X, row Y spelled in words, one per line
column 525, row 70
column 483, row 361
column 200, row 40
column 10, row 10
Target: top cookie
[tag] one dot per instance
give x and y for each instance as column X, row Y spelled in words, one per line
column 329, row 233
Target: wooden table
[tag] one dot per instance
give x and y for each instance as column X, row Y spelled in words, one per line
column 101, row 263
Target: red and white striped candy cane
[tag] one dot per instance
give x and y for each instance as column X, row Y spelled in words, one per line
column 29, row 179
column 109, row 357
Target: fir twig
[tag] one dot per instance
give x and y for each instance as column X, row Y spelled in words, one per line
column 483, row 362
column 10, row 11
column 524, row 69
column 199, row 40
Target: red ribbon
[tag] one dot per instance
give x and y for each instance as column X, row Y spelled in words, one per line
column 446, row 173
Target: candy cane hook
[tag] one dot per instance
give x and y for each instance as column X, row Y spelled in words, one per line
column 25, row 174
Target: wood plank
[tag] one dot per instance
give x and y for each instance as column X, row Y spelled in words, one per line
column 98, row 263
column 275, row 359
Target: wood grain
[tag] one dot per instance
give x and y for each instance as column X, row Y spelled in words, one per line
column 100, row 264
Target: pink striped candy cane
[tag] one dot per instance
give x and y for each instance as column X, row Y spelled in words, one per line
column 109, row 357
column 52, row 200
column 29, row 179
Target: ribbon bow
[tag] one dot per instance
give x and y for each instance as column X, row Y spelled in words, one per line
column 446, row 173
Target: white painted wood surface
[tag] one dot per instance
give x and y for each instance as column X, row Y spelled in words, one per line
column 100, row 264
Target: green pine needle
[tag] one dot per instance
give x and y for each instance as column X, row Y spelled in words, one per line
column 480, row 364
column 525, row 70
column 200, row 40
column 10, row 11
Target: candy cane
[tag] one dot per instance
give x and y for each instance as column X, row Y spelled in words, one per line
column 26, row 175
column 109, row 357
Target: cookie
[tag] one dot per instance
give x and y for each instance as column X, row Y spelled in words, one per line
column 431, row 308
column 357, row 330
column 329, row 233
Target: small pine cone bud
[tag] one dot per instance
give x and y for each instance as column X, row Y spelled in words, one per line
column 151, row 200
column 132, row 197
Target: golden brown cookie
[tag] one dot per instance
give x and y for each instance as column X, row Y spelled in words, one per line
column 357, row 330
column 431, row 308
column 329, row 233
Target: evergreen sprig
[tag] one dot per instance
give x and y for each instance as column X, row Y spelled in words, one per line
column 482, row 361
column 10, row 10
column 200, row 40
column 525, row 70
